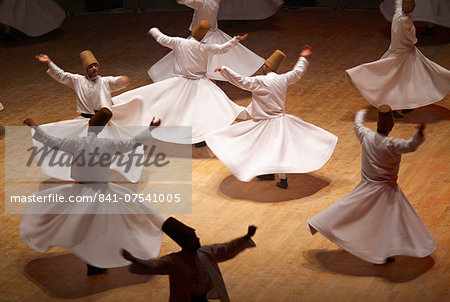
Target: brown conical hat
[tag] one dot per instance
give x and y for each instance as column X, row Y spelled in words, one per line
column 408, row 6
column 201, row 29
column 385, row 121
column 275, row 60
column 101, row 118
column 87, row 58
column 178, row 231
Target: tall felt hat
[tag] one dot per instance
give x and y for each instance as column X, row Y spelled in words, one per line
column 275, row 60
column 408, row 6
column 100, row 119
column 87, row 58
column 201, row 29
column 178, row 231
column 385, row 121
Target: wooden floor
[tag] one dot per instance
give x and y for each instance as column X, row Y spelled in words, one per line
column 288, row 264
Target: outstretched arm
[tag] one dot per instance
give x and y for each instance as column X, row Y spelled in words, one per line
column 360, row 129
column 161, row 266
column 163, row 39
column 398, row 6
column 243, row 82
column 219, row 49
column 68, row 145
column 117, row 83
column 142, row 137
column 55, row 72
column 411, row 145
column 225, row 251
column 300, row 67
column 194, row 4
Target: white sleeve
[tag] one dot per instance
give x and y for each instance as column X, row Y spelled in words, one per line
column 126, row 145
column 194, row 4
column 360, row 130
column 64, row 144
column 296, row 73
column 243, row 82
column 163, row 39
column 114, row 83
column 398, row 6
column 405, row 146
column 219, row 49
column 61, row 76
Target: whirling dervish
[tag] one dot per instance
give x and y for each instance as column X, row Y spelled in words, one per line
column 187, row 99
column 240, row 58
column 403, row 78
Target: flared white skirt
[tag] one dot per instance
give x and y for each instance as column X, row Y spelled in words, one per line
column 33, row 18
column 248, row 10
column 94, row 231
column 375, row 221
column 285, row 144
column 178, row 101
column 403, row 80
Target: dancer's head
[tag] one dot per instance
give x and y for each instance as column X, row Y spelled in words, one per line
column 408, row 6
column 183, row 235
column 201, row 29
column 99, row 120
column 385, row 121
column 90, row 63
column 273, row 62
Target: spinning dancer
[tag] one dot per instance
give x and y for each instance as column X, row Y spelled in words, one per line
column 94, row 230
column 376, row 221
column 93, row 92
column 188, row 99
column 33, row 18
column 273, row 142
column 240, row 58
column 403, row 78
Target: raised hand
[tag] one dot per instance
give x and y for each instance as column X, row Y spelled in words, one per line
column 43, row 58
column 30, row 122
column 154, row 123
column 124, row 80
column 306, row 51
column 240, row 38
column 420, row 128
column 251, row 231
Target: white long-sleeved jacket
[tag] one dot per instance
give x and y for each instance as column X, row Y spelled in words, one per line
column 92, row 93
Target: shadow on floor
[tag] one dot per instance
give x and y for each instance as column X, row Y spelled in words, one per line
column 64, row 276
column 300, row 185
column 404, row 269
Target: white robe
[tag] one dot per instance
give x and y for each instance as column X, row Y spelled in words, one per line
column 273, row 142
column 92, row 94
column 403, row 78
column 432, row 11
column 376, row 221
column 33, row 18
column 94, row 231
column 188, row 99
column 248, row 9
column 240, row 58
